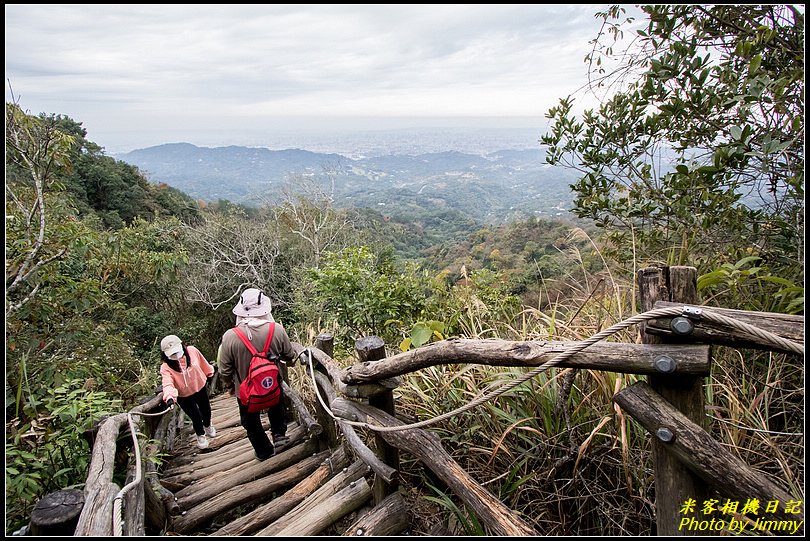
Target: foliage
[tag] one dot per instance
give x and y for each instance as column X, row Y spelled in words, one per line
column 362, row 291
column 469, row 522
column 76, row 295
column 477, row 305
column 49, row 452
column 699, row 157
column 742, row 284
column 421, row 333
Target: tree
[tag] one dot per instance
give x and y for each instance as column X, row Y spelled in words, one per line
column 72, row 289
column 36, row 152
column 228, row 253
column 364, row 293
column 697, row 156
column 309, row 214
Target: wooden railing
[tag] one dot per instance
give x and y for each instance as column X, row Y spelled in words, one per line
column 675, row 356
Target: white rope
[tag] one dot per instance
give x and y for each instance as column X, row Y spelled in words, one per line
column 686, row 311
column 117, row 517
column 766, row 336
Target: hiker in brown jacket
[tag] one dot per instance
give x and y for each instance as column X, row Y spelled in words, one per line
column 253, row 318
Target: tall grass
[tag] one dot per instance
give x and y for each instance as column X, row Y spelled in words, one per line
column 557, row 450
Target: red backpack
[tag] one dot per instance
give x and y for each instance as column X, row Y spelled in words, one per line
column 262, row 386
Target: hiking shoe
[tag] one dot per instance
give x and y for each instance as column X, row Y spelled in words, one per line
column 265, row 457
column 280, row 439
column 210, row 431
column 202, row 442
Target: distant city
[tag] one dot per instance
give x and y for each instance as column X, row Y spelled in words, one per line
column 411, row 141
column 359, row 143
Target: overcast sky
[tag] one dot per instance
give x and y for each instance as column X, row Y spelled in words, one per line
column 139, row 75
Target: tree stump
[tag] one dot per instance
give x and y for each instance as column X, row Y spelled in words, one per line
column 57, row 513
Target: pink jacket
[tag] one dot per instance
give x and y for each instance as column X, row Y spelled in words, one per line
column 189, row 380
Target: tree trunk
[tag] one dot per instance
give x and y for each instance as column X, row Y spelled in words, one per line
column 99, row 490
column 369, row 350
column 608, row 356
column 674, row 483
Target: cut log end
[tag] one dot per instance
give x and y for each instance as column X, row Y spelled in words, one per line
column 57, row 513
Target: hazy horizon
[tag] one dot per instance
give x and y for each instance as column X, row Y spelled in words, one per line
column 352, row 139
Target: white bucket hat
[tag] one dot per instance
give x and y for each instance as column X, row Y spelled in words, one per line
column 252, row 303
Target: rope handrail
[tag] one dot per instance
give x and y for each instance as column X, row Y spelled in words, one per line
column 690, row 312
column 117, row 501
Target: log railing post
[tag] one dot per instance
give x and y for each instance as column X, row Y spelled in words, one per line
column 326, row 343
column 674, row 482
column 372, row 348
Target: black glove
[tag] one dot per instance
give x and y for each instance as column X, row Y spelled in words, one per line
column 170, row 403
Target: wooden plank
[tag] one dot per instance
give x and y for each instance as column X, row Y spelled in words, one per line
column 253, row 492
column 199, row 492
column 786, row 326
column 284, row 503
column 329, row 512
column 338, row 482
column 698, row 451
column 242, row 455
column 426, row 446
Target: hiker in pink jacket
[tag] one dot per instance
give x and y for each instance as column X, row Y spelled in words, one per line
column 184, row 373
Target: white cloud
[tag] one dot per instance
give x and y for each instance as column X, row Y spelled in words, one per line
column 159, row 67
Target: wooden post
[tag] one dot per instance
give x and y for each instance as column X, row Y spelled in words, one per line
column 674, row 482
column 372, row 348
column 57, row 513
column 326, row 343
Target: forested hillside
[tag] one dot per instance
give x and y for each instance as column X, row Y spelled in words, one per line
column 102, row 262
column 493, row 188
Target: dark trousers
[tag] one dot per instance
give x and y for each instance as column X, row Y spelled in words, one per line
column 255, row 431
column 198, row 408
